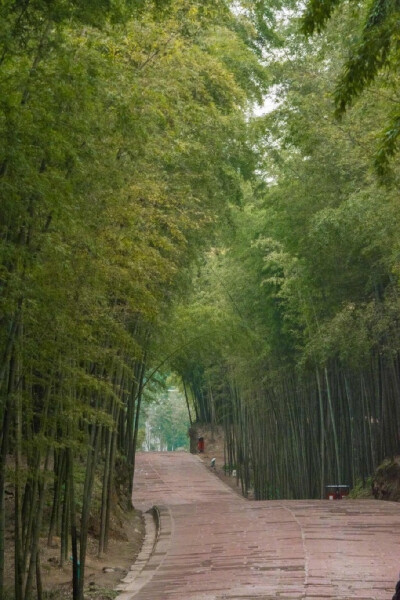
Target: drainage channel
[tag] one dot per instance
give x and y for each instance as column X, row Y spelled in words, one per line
column 154, row 549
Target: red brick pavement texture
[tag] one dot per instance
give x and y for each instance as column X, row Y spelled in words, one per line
column 215, row 545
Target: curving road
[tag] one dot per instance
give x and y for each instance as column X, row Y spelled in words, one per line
column 215, row 545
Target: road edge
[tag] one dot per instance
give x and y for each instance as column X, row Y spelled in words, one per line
column 158, row 526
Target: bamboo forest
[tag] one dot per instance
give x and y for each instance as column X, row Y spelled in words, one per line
column 202, row 191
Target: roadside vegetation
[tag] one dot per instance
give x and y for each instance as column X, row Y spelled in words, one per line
column 122, row 138
column 296, row 307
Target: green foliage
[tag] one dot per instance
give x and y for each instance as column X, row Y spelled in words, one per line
column 373, row 50
column 293, row 311
column 316, row 15
column 123, row 138
column 361, row 489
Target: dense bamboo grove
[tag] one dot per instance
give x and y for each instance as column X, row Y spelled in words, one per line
column 109, row 114
column 333, row 427
column 292, row 429
column 297, row 305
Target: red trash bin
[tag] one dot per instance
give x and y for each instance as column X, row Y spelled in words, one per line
column 200, row 444
column 336, row 492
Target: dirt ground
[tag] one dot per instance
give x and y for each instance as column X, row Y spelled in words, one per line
column 102, row 574
column 214, row 448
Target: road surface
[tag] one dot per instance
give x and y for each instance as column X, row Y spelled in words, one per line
column 214, row 545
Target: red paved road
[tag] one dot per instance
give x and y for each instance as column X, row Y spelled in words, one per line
column 218, row 546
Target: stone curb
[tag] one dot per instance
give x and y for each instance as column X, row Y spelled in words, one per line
column 158, row 524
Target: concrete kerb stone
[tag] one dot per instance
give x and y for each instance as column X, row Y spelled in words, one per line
column 158, row 526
